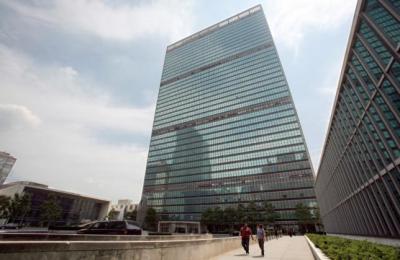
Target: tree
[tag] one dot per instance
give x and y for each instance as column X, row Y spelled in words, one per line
column 4, row 206
column 252, row 214
column 151, row 219
column 269, row 213
column 50, row 210
column 316, row 216
column 112, row 214
column 304, row 216
column 131, row 215
column 229, row 217
column 19, row 206
column 241, row 214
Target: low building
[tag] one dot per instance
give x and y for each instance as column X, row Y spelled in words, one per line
column 76, row 208
column 123, row 208
column 6, row 164
column 185, row 227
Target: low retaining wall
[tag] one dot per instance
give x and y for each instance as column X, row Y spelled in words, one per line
column 94, row 250
column 379, row 240
column 317, row 253
column 79, row 237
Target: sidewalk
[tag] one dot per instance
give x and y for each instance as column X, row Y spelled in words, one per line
column 284, row 248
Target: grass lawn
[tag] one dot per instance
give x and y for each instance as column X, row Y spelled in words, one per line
column 347, row 249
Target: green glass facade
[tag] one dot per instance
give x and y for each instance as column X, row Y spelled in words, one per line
column 358, row 182
column 226, row 130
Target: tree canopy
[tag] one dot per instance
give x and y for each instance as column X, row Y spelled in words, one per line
column 151, row 219
column 217, row 219
column 50, row 211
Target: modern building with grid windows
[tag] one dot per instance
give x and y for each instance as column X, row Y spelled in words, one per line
column 226, row 130
column 358, row 181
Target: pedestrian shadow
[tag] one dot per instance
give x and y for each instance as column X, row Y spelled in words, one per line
column 241, row 254
column 258, row 256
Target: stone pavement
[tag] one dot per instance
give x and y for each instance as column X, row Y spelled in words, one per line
column 284, row 248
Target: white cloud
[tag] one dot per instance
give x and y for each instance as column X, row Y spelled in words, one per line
column 15, row 117
column 291, row 20
column 60, row 147
column 171, row 18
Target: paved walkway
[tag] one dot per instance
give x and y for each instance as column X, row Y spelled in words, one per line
column 284, row 248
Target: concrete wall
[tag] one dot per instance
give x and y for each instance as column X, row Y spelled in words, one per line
column 79, row 237
column 200, row 249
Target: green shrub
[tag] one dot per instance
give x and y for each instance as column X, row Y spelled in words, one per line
column 347, row 249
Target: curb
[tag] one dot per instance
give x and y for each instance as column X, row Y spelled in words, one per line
column 317, row 253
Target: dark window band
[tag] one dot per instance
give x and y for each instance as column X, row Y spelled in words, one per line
column 217, row 63
column 228, row 114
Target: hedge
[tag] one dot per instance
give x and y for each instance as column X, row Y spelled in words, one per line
column 347, row 249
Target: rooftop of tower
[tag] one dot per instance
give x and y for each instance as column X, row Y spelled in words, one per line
column 214, row 27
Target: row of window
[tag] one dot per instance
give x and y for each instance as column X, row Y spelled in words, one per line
column 245, row 151
column 228, row 141
column 275, row 164
column 298, row 175
column 216, row 36
column 246, row 80
column 254, row 87
column 275, row 78
column 221, row 53
column 167, row 179
column 253, row 170
column 208, row 80
column 225, row 36
column 228, row 149
column 242, row 119
column 232, row 196
column 223, row 43
column 236, row 161
column 385, row 21
column 234, row 135
column 228, row 106
column 290, row 204
column 283, row 216
column 172, row 72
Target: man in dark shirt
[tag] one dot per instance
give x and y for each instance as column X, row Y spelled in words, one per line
column 245, row 233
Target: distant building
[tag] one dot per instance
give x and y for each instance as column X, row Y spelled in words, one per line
column 226, row 130
column 6, row 164
column 358, row 182
column 185, row 227
column 76, row 208
column 122, row 208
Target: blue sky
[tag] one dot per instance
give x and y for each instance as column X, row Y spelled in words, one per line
column 79, row 80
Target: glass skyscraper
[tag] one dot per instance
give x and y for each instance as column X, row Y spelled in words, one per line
column 226, row 130
column 358, row 182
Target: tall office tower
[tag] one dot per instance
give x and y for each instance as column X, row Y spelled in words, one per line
column 6, row 164
column 226, row 130
column 358, row 182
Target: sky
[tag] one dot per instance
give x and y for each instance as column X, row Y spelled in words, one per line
column 79, row 80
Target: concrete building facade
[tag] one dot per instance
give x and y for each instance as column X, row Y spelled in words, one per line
column 122, row 208
column 226, row 131
column 76, row 208
column 358, row 181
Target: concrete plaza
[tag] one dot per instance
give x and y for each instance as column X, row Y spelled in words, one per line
column 284, row 248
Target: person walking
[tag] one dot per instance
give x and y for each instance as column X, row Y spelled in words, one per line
column 245, row 233
column 260, row 237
